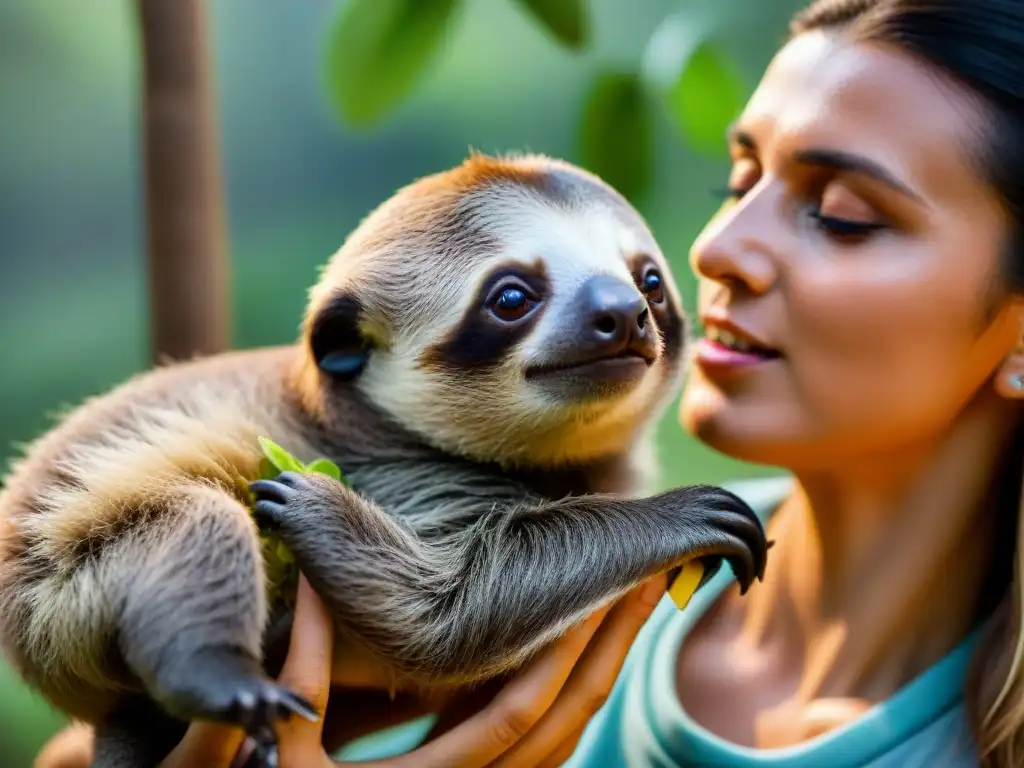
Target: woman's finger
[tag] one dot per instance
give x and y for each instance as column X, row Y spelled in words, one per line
column 208, row 744
column 307, row 668
column 71, row 747
column 591, row 680
column 306, row 672
column 564, row 751
column 485, row 736
column 211, row 745
column 464, row 706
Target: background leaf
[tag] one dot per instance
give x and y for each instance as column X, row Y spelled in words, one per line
column 377, row 50
column 617, row 133
column 705, row 98
column 566, row 20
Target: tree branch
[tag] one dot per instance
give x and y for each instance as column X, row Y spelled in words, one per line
column 186, row 231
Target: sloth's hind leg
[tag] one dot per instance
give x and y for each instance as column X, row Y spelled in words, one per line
column 137, row 734
column 194, row 614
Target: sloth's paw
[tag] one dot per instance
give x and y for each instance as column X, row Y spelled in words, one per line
column 225, row 686
column 277, row 499
column 719, row 526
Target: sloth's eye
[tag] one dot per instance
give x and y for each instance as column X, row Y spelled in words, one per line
column 652, row 287
column 511, row 304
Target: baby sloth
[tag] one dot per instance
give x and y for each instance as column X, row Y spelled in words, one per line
column 485, row 358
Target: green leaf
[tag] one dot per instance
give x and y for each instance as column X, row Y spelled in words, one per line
column 565, row 20
column 617, row 136
column 279, row 457
column 377, row 51
column 267, row 469
column 706, row 98
column 325, row 467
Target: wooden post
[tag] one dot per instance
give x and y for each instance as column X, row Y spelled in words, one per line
column 185, row 209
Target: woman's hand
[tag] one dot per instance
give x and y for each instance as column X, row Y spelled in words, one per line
column 535, row 718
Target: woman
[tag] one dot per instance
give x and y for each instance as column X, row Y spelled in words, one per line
column 871, row 257
column 861, row 294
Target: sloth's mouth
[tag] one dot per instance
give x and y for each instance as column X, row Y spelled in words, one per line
column 625, row 364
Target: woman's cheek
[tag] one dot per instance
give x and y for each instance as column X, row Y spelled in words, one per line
column 879, row 395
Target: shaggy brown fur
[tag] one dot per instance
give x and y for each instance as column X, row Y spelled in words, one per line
column 495, row 497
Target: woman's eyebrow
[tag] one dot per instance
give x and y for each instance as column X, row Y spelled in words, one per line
column 836, row 159
column 846, row 161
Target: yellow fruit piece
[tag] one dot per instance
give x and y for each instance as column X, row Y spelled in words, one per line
column 681, row 590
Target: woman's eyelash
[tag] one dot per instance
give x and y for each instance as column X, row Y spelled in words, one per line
column 839, row 228
column 845, row 227
column 727, row 192
column 834, row 226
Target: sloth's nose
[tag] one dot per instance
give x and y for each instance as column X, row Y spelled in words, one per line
column 615, row 311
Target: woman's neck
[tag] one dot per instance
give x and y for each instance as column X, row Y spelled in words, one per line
column 877, row 571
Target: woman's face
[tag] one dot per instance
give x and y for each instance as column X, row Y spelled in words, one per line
column 861, row 247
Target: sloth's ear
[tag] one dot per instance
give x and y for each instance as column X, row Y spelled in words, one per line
column 335, row 340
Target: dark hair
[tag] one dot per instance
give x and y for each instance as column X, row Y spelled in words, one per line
column 978, row 44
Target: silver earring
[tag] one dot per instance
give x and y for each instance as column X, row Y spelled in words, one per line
column 1017, row 381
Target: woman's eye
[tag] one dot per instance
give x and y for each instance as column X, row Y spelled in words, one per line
column 511, row 304
column 652, row 287
column 849, row 219
column 845, row 230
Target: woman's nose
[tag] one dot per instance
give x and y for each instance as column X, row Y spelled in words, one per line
column 736, row 247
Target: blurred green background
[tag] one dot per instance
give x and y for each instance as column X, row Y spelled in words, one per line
column 299, row 177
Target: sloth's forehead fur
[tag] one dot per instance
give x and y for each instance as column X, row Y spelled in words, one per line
column 415, row 263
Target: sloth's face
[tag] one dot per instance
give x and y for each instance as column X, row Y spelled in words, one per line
column 558, row 345
column 572, row 330
column 520, row 326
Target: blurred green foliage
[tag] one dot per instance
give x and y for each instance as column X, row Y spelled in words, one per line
column 565, row 20
column 706, row 98
column 327, row 107
column 617, row 134
column 378, row 50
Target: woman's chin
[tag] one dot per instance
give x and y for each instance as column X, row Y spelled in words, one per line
column 739, row 428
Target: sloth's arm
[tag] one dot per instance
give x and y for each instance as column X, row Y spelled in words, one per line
column 479, row 601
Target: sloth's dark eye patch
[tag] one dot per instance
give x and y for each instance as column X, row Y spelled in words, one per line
column 505, row 308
